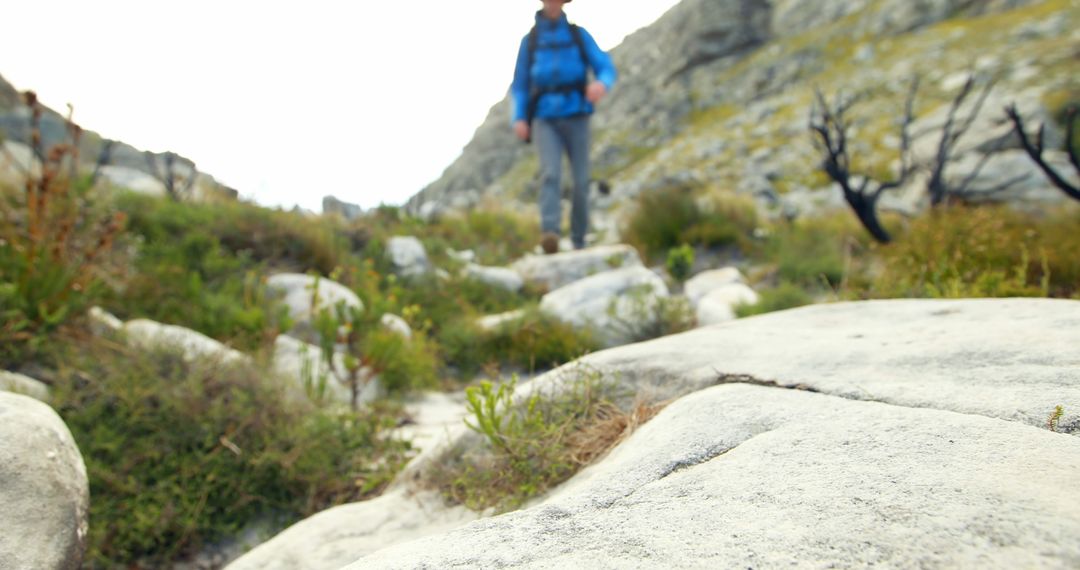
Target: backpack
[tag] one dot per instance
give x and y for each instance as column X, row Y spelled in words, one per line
column 534, row 92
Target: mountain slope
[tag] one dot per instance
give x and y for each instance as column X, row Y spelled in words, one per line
column 717, row 93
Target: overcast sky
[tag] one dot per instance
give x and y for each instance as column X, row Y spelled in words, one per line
column 288, row 102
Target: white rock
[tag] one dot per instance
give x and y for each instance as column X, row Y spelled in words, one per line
column 103, row 322
column 610, row 302
column 44, row 495
column 132, row 179
column 408, row 256
column 145, row 334
column 718, row 305
column 492, row 322
column 25, row 385
column 396, row 324
column 465, row 256
column 701, row 284
column 300, row 291
column 554, row 271
column 500, row 277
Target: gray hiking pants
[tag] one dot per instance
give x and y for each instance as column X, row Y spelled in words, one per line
column 554, row 137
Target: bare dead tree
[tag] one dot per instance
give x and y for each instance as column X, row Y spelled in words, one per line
column 176, row 185
column 952, row 131
column 832, row 127
column 103, row 159
column 1035, row 148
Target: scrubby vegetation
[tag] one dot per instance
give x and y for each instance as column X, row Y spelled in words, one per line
column 180, row 453
column 536, row 441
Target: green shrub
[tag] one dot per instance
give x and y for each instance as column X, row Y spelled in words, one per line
column 181, row 453
column 784, row 296
column 535, row 443
column 810, row 252
column 680, row 261
column 532, row 342
column 639, row 315
column 401, row 363
column 283, row 240
column 667, row 218
column 984, row 251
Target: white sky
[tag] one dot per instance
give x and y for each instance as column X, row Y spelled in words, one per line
column 287, row 102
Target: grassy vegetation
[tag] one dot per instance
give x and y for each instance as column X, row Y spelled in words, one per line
column 181, row 453
column 667, row 218
column 536, row 442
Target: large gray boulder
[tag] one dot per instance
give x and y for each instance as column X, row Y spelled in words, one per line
column 44, row 493
column 754, row 477
column 556, row 270
column 616, row 304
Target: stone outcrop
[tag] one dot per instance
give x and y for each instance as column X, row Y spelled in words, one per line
column 348, row 211
column 849, row 434
column 127, row 167
column 44, row 492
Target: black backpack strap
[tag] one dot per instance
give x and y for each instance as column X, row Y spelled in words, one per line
column 575, row 32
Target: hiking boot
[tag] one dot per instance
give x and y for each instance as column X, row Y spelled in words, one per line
column 550, row 243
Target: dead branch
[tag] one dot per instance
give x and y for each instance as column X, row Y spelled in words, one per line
column 169, row 176
column 951, row 133
column 831, row 125
column 1035, row 148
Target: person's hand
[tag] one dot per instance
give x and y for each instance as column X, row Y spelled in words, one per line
column 595, row 91
column 521, row 130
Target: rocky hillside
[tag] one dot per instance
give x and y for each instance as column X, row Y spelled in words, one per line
column 717, row 93
column 125, row 166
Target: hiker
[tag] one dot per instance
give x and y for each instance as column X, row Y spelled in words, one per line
column 553, row 98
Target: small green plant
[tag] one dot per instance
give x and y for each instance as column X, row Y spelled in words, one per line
column 1055, row 418
column 680, row 261
column 534, row 441
column 401, row 363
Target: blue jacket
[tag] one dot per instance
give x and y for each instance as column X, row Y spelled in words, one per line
column 557, row 62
